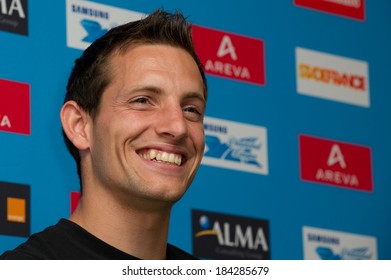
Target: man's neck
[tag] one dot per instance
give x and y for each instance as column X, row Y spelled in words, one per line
column 133, row 230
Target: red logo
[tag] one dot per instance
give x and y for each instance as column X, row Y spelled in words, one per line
column 14, row 107
column 335, row 163
column 349, row 8
column 75, row 197
column 230, row 55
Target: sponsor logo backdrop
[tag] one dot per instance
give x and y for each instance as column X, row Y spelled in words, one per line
column 298, row 125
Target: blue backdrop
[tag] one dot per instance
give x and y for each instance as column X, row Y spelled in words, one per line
column 277, row 193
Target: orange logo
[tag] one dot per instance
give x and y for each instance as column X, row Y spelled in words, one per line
column 16, row 210
column 330, row 76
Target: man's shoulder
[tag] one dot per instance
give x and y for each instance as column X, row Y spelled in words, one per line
column 174, row 253
column 39, row 245
column 66, row 240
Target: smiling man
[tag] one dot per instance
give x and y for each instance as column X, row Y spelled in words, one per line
column 133, row 121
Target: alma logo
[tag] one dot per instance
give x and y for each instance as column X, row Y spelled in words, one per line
column 335, row 163
column 354, row 9
column 14, row 209
column 220, row 236
column 332, row 77
column 13, row 16
column 230, row 55
column 14, row 107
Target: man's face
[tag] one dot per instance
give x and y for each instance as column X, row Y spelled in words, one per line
column 147, row 139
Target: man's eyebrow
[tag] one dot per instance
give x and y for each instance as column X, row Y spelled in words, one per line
column 154, row 89
column 195, row 95
column 151, row 89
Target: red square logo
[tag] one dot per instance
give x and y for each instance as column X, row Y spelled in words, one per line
column 354, row 9
column 335, row 163
column 14, row 107
column 230, row 55
column 75, row 197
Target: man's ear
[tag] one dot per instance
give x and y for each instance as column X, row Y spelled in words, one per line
column 75, row 122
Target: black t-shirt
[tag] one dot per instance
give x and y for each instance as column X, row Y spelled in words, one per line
column 68, row 241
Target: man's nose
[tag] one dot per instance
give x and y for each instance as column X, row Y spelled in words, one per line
column 172, row 122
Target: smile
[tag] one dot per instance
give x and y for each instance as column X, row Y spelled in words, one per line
column 160, row 156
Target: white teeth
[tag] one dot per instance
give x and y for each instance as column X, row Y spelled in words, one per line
column 178, row 160
column 152, row 154
column 171, row 158
column 163, row 156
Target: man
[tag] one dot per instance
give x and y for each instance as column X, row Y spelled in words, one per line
column 133, row 121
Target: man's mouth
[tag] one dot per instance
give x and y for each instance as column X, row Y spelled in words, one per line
column 156, row 155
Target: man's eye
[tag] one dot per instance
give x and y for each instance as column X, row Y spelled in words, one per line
column 191, row 109
column 141, row 100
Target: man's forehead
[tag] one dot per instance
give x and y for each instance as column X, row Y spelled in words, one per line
column 138, row 55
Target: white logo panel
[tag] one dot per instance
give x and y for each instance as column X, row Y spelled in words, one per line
column 332, row 77
column 322, row 244
column 87, row 21
column 235, row 146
